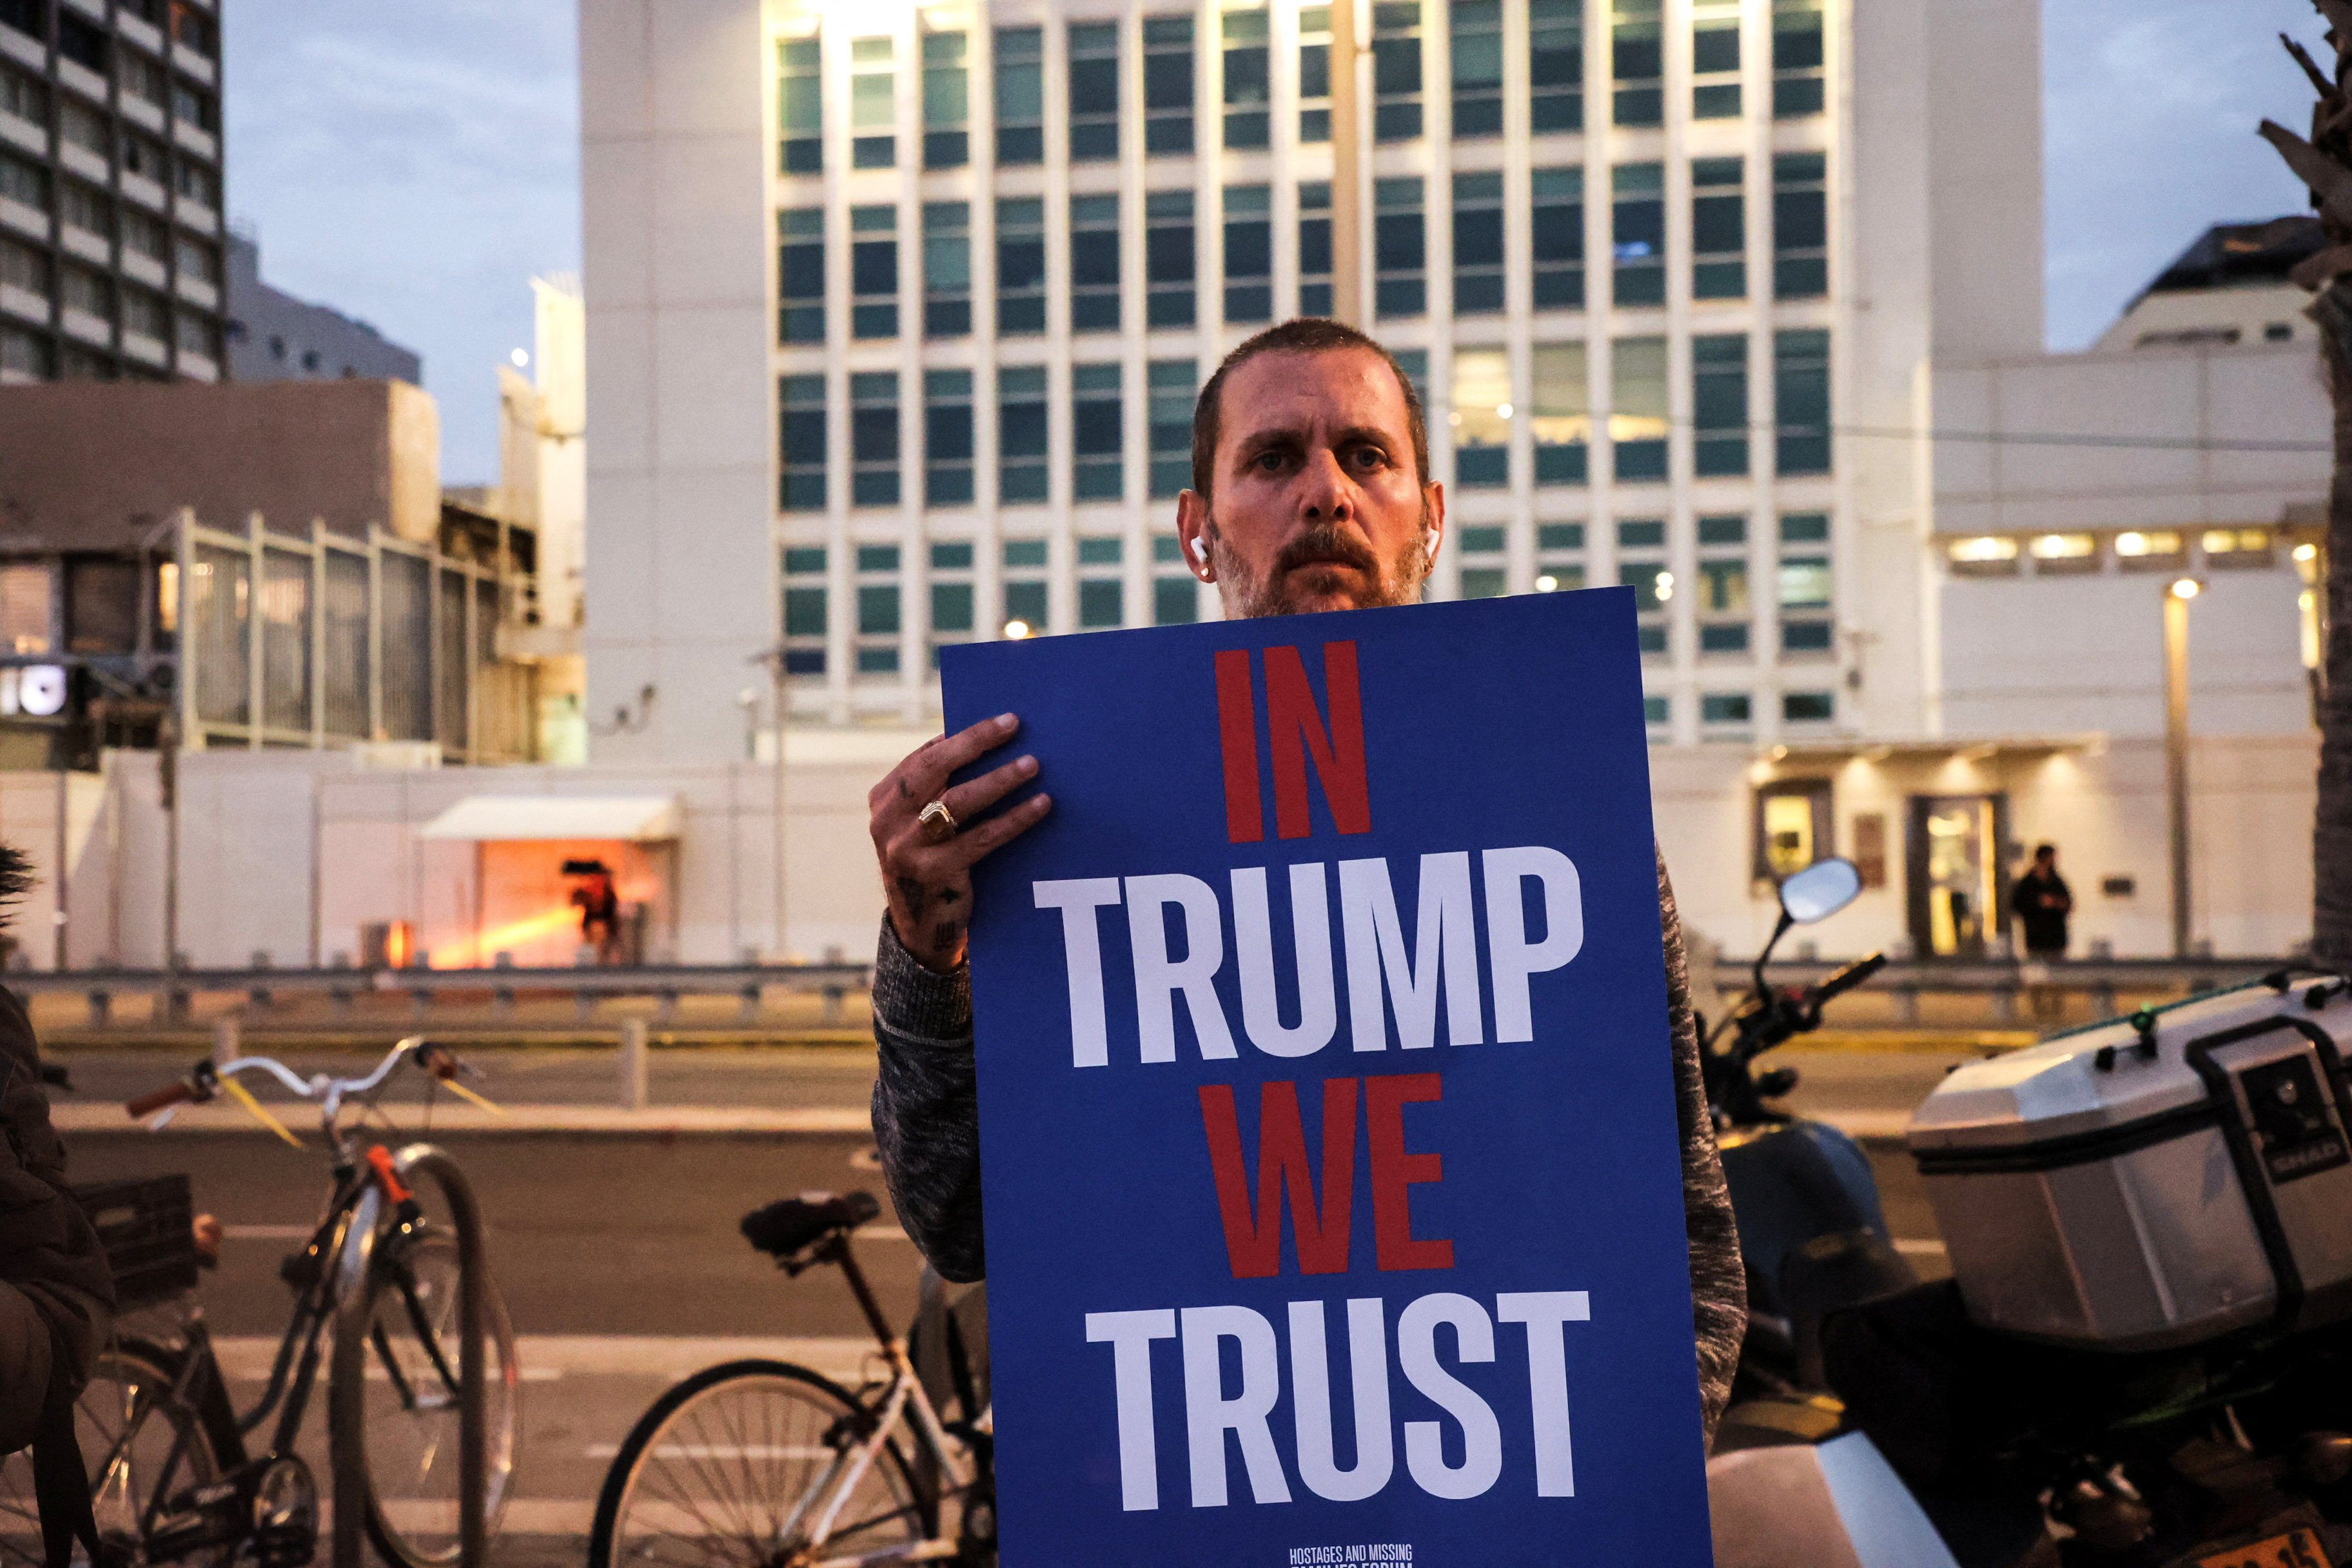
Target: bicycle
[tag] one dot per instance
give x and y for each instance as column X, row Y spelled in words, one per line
column 769, row 1465
column 173, row 1477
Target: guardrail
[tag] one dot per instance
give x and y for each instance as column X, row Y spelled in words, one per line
column 2106, row 981
column 261, row 989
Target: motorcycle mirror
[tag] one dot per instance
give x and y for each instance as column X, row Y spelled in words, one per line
column 1820, row 890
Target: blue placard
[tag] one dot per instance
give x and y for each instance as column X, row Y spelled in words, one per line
column 1330, row 1169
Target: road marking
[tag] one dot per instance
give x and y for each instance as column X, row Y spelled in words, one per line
column 269, row 1232
column 1917, row 1247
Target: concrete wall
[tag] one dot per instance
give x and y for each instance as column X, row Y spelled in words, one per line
column 680, row 579
column 95, row 465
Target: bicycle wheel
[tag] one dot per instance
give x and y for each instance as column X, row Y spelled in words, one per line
column 408, row 1414
column 142, row 1447
column 735, row 1466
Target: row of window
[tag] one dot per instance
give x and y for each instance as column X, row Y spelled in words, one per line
column 30, row 283
column 28, row 354
column 2134, row 550
column 88, row 44
column 1736, row 710
column 1555, row 255
column 83, row 210
column 1563, row 425
column 30, row 185
column 1092, row 72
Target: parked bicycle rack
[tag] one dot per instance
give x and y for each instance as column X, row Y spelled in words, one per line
column 347, row 1386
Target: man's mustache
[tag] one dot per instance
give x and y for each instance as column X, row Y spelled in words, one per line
column 1326, row 545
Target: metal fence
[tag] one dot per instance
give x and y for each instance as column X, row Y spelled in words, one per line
column 290, row 641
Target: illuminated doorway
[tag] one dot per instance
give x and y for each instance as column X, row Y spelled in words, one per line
column 1957, row 907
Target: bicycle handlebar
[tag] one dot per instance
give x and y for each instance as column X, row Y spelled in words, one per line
column 157, row 1099
column 328, row 1092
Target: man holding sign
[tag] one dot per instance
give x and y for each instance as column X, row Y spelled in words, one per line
column 1310, row 493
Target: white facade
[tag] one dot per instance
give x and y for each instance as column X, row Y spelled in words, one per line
column 730, row 382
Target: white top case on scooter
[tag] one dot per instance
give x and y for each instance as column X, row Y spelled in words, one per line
column 2094, row 1192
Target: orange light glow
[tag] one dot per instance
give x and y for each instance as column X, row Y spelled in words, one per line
column 470, row 952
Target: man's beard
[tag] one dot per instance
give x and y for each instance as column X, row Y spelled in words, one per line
column 1247, row 596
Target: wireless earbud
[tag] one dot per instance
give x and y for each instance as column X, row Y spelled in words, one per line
column 1429, row 545
column 1200, row 550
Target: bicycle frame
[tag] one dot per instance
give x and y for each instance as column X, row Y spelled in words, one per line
column 906, row 1401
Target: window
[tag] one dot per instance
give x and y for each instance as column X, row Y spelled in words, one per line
column 1637, row 408
column 1315, row 73
column 1722, row 586
column 1396, row 70
column 873, row 104
column 82, row 43
column 1719, row 403
column 947, row 101
column 1637, row 60
column 2158, row 550
column 24, row 98
column 1094, row 264
column 953, row 617
column 947, row 437
column 878, row 609
column 1638, row 236
column 1477, row 243
column 1801, row 266
column 802, row 443
column 86, row 209
column 1808, row 707
column 1020, row 439
column 1315, row 247
column 806, row 610
column 84, row 127
column 197, row 260
column 1559, row 556
column 2057, row 554
column 1024, row 593
column 1175, row 595
column 800, row 275
column 1483, row 573
column 873, row 272
column 1718, row 230
column 1555, row 66
column 24, row 268
column 1796, row 58
column 191, row 106
column 26, row 185
column 874, row 438
column 1791, row 826
column 1805, row 582
column 1173, row 385
column 1248, row 85
column 1400, row 249
column 1249, row 253
column 1096, row 437
column 1481, row 418
column 1094, row 92
column 1986, row 556
column 947, row 270
column 140, row 77
column 141, row 233
column 195, row 183
column 1657, row 711
column 1725, row 708
column 1102, row 597
column 1800, row 393
column 1168, row 265
column 1559, row 239
column 93, row 294
column 1563, row 414
column 1020, row 96
column 1714, row 59
column 1477, row 50
column 28, row 622
column 192, row 30
column 1166, row 87
column 1020, row 266
column 799, row 106
column 2230, row 547
column 1642, row 566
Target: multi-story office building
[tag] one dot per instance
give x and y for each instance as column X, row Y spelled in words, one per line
column 110, row 190
column 273, row 336
column 897, row 313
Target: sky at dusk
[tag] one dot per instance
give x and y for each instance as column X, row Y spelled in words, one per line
column 415, row 164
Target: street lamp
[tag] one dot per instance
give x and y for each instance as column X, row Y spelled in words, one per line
column 2177, row 598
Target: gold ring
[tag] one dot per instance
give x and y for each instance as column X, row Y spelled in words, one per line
column 937, row 822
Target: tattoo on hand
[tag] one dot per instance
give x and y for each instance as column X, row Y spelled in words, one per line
column 912, row 890
column 904, row 792
column 949, row 896
column 945, row 934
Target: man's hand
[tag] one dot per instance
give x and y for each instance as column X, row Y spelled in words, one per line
column 929, row 884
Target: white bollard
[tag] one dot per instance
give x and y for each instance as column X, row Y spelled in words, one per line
column 632, row 1064
column 227, row 1039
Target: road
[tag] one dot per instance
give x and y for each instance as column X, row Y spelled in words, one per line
column 619, row 1255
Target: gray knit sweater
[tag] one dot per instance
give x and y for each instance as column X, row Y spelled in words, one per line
column 927, row 1123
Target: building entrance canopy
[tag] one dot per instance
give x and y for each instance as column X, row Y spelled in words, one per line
column 509, row 818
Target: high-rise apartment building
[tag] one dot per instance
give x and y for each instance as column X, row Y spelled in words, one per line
column 111, row 190
column 897, row 314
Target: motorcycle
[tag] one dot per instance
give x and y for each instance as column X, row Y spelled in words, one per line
column 1875, row 1424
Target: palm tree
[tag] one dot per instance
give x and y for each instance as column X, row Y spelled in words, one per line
column 2325, row 164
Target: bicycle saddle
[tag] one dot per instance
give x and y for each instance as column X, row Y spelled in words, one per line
column 783, row 1228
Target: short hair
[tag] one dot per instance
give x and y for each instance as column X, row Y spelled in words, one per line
column 2045, row 851
column 1303, row 335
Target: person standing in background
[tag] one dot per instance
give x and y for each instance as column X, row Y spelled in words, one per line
column 2042, row 903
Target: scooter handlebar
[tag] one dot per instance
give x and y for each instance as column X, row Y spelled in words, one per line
column 1846, row 979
